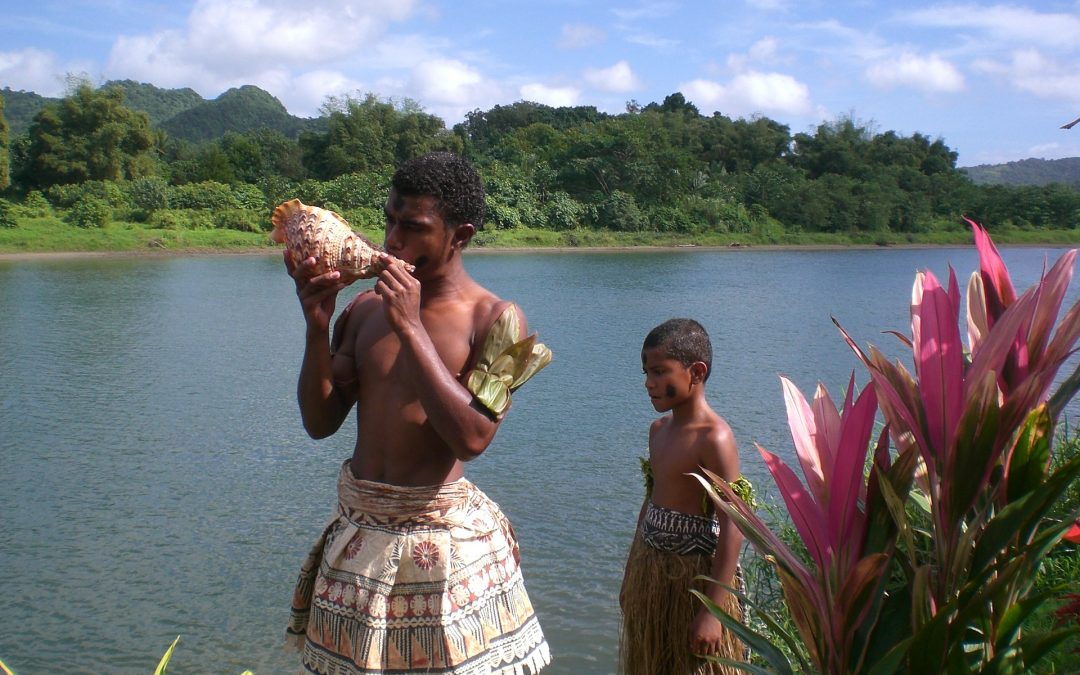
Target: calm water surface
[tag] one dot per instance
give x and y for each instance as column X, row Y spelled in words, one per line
column 155, row 480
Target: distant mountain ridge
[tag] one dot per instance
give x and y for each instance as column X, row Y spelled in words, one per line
column 181, row 113
column 1027, row 172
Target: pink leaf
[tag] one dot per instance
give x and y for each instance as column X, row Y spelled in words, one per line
column 976, row 313
column 847, row 490
column 1051, row 295
column 827, row 423
column 805, row 513
column 998, row 286
column 939, row 362
column 803, row 432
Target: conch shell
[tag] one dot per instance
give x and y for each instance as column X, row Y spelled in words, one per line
column 311, row 232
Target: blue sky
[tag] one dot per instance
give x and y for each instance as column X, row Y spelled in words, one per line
column 995, row 81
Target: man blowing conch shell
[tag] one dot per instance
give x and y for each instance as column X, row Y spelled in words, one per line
column 418, row 570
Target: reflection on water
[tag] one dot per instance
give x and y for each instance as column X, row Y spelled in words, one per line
column 156, row 481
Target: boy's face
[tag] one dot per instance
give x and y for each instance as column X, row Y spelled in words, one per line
column 667, row 381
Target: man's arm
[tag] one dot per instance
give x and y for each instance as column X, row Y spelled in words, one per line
column 461, row 422
column 322, row 406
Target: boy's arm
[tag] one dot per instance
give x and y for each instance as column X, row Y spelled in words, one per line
column 722, row 458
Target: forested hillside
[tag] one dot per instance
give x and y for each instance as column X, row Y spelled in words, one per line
column 180, row 112
column 1028, row 172
column 662, row 167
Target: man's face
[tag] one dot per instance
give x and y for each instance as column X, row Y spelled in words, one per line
column 416, row 232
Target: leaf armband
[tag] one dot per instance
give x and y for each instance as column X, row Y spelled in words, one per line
column 505, row 363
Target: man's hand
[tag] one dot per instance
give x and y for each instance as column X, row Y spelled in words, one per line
column 400, row 292
column 706, row 634
column 317, row 293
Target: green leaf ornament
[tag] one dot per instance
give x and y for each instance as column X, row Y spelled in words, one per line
column 505, row 363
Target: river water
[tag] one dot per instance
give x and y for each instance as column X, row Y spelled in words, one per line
column 155, row 480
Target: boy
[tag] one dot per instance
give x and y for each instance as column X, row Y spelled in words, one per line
column 666, row 630
column 418, row 570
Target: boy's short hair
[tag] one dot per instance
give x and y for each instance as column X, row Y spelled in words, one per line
column 451, row 179
column 684, row 340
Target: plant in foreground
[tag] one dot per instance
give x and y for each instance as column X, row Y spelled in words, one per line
column 971, row 431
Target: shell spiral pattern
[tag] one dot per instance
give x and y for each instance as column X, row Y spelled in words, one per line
column 312, row 232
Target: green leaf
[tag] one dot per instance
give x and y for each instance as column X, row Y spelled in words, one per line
column 160, row 670
column 1009, row 625
column 1036, row 646
column 1030, row 455
column 541, row 357
column 739, row 665
column 891, row 662
column 757, row 642
column 1020, row 518
column 774, row 627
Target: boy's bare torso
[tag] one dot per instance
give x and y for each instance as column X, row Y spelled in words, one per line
column 395, row 442
column 677, row 450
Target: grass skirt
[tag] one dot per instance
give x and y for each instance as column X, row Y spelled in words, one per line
column 658, row 609
column 415, row 580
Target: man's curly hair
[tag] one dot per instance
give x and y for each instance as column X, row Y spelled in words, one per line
column 451, row 179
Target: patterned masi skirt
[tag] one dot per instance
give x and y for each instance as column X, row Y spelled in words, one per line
column 415, row 580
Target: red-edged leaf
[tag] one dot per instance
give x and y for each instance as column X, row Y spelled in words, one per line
column 976, row 312
column 803, row 432
column 1051, row 295
column 1061, row 345
column 752, row 527
column 858, row 593
column 939, row 364
column 805, row 513
column 827, row 422
column 997, row 344
column 999, row 288
column 847, row 492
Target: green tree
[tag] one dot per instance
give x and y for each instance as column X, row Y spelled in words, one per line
column 5, row 162
column 89, row 135
column 369, row 134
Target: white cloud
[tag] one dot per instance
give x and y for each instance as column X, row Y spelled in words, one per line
column 768, row 5
column 306, row 92
column 1004, row 23
column 750, row 93
column 1030, row 71
column 764, row 50
column 578, row 36
column 618, row 79
column 553, row 96
column 226, row 42
column 645, row 10
column 929, row 74
column 651, row 41
column 449, row 88
column 38, row 71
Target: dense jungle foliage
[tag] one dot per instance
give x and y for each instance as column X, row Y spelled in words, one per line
column 92, row 158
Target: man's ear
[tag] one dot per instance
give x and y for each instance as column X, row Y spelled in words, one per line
column 463, row 234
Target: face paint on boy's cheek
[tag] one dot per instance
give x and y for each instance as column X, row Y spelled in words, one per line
column 670, row 391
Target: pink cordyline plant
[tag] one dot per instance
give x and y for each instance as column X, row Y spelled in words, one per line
column 981, row 421
column 831, row 599
column 882, row 595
